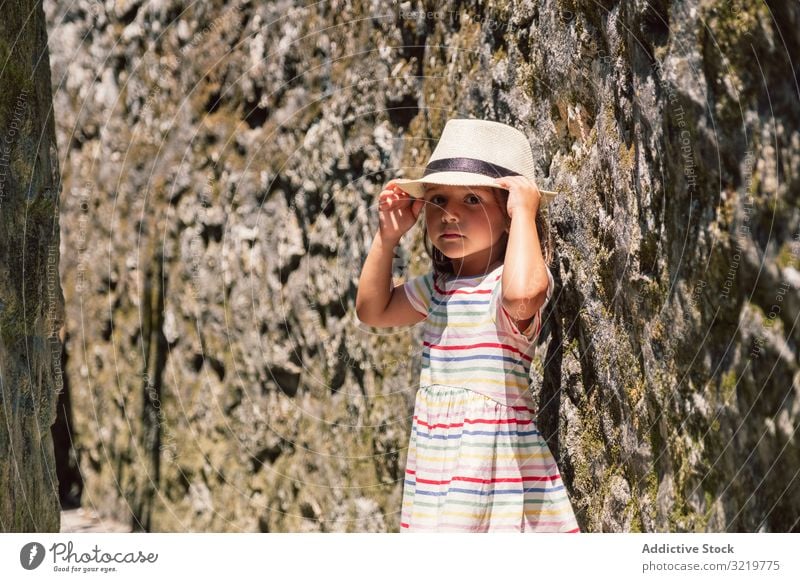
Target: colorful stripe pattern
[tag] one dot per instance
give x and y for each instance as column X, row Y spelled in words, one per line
column 470, row 340
column 476, row 460
column 475, row 465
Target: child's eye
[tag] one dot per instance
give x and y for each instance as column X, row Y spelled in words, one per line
column 436, row 200
column 475, row 199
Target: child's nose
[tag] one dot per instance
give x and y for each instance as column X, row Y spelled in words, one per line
column 450, row 215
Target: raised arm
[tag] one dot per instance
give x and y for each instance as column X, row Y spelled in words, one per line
column 378, row 302
column 525, row 280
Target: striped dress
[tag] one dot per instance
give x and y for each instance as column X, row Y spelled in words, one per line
column 476, row 460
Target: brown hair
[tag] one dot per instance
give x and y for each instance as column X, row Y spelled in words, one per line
column 441, row 264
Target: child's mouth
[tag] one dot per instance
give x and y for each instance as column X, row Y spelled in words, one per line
column 450, row 236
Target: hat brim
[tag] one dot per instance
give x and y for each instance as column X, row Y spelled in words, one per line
column 416, row 188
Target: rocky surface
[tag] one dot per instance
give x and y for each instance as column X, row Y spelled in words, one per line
column 80, row 520
column 220, row 163
column 31, row 300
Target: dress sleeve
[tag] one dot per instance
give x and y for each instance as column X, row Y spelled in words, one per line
column 503, row 320
column 419, row 291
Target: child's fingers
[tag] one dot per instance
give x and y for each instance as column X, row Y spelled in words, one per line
column 392, row 187
column 388, row 198
column 388, row 195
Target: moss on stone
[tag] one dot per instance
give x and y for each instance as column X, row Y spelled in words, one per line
column 636, row 392
column 727, row 386
column 15, row 80
column 632, row 507
column 788, row 257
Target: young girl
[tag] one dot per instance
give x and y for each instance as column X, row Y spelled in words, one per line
column 476, row 460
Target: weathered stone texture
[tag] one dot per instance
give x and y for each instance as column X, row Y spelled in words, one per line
column 221, row 162
column 31, row 300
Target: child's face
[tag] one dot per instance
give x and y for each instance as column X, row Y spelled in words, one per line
column 472, row 213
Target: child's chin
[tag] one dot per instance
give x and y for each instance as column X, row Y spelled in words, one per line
column 457, row 250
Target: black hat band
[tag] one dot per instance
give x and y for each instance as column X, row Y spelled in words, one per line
column 471, row 165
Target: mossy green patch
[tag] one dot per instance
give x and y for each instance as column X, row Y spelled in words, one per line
column 637, row 526
column 727, row 386
column 14, row 80
column 789, row 255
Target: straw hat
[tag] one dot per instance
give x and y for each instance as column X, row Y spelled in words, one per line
column 472, row 152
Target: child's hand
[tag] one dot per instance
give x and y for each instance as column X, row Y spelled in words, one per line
column 522, row 193
column 398, row 212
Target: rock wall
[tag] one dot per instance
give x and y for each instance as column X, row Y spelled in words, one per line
column 220, row 164
column 31, row 300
